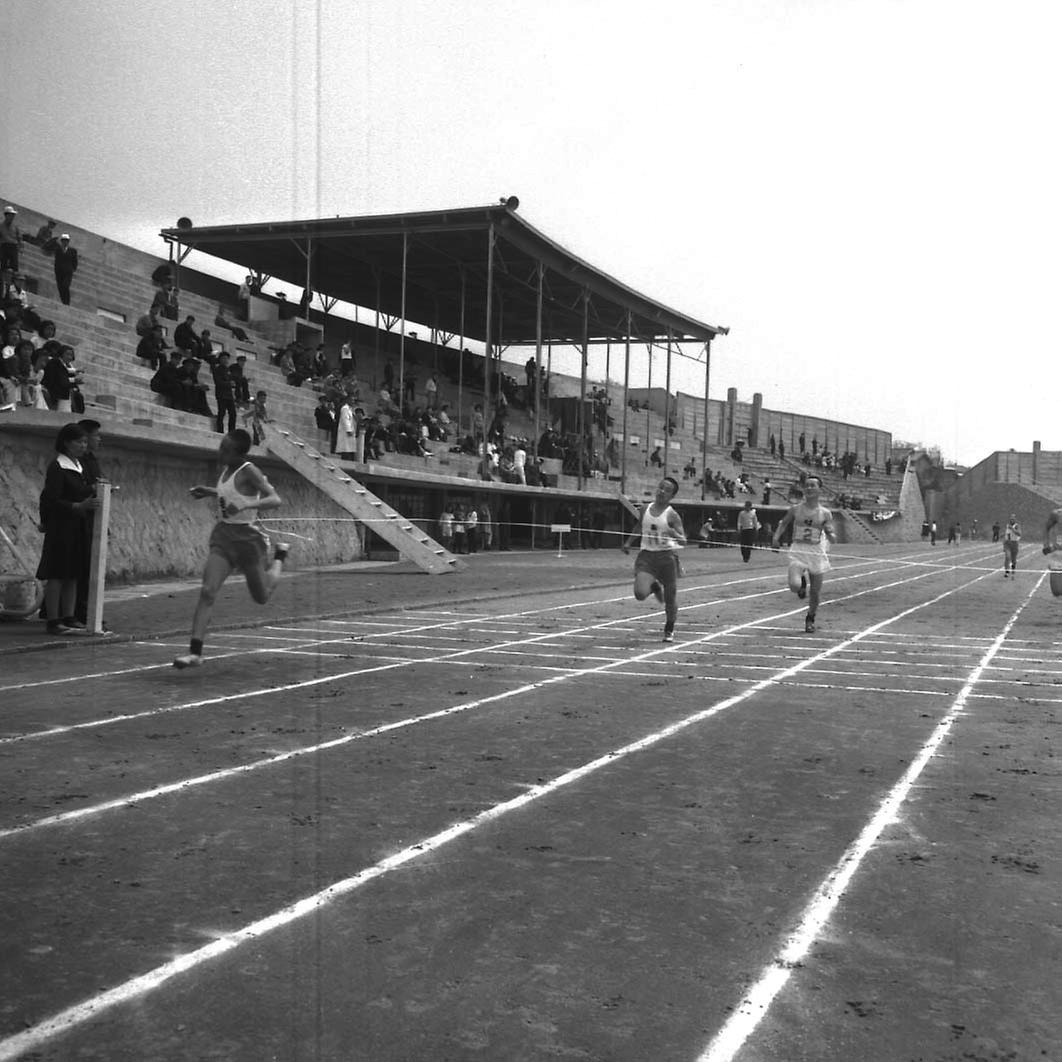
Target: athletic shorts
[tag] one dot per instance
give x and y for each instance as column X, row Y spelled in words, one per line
column 661, row 564
column 244, row 546
column 1054, row 560
column 814, row 560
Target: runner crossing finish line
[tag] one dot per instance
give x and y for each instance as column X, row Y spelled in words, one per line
column 237, row 541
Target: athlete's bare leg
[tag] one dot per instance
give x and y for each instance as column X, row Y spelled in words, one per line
column 216, row 571
column 261, row 582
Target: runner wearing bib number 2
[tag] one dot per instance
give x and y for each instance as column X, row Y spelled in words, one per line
column 656, row 566
column 809, row 556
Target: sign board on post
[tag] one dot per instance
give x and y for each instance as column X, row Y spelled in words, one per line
column 560, row 530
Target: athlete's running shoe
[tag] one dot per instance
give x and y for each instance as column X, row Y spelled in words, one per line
column 658, row 592
column 669, row 636
column 809, row 625
column 281, row 551
column 803, row 591
column 188, row 660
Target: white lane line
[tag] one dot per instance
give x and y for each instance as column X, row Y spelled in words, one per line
column 401, row 724
column 737, row 1029
column 91, row 1008
column 403, row 662
column 470, row 618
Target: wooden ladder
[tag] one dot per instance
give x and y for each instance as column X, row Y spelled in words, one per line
column 325, row 474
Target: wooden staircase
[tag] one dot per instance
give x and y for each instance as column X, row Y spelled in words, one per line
column 325, row 474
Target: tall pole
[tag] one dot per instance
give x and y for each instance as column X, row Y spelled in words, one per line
column 490, row 310
column 537, row 396
column 704, row 434
column 649, row 406
column 402, row 335
column 582, row 385
column 376, row 333
column 626, row 404
column 461, row 355
column 667, row 405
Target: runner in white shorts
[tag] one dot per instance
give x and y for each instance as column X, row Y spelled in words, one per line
column 237, row 542
column 809, row 554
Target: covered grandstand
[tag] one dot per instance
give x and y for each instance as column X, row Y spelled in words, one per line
column 478, row 275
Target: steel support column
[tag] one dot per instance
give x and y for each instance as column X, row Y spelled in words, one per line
column 626, row 404
column 537, row 396
column 704, row 434
column 581, row 422
column 400, row 398
column 487, row 403
column 461, row 355
column 667, row 406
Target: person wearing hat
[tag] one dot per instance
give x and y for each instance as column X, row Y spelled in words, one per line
column 10, row 238
column 65, row 267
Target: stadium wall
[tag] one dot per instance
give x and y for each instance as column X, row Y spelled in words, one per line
column 996, row 501
column 156, row 530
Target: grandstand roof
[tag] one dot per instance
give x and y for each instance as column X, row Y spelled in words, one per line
column 352, row 255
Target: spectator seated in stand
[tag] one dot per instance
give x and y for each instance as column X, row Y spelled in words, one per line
column 45, row 334
column 185, row 338
column 147, row 322
column 173, row 385
column 655, row 458
column 152, row 347
column 221, row 322
column 45, row 237
column 194, row 390
column 166, row 301
column 15, row 300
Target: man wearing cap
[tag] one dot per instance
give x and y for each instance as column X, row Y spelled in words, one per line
column 65, row 267
column 10, row 238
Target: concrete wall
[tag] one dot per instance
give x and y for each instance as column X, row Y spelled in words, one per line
column 156, row 529
column 996, row 501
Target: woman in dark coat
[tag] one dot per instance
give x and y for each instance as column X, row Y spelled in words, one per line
column 66, row 503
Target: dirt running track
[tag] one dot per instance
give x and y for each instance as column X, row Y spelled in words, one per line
column 522, row 828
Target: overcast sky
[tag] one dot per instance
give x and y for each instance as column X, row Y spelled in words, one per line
column 866, row 193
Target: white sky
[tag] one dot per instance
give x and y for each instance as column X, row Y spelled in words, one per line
column 867, row 193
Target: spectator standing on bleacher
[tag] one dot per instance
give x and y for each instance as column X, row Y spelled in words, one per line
column 347, row 433
column 324, row 416
column 239, row 380
column 10, row 238
column 224, row 393
column 243, row 297
column 65, row 267
column 431, row 390
column 346, row 359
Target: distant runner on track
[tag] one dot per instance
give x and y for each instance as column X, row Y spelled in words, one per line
column 809, row 554
column 656, row 566
column 237, row 541
column 1011, row 539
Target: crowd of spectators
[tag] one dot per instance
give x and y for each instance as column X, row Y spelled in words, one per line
column 37, row 371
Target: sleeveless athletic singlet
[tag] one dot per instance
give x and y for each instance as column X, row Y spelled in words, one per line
column 656, row 535
column 228, row 494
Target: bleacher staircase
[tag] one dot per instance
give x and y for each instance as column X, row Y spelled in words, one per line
column 360, row 502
